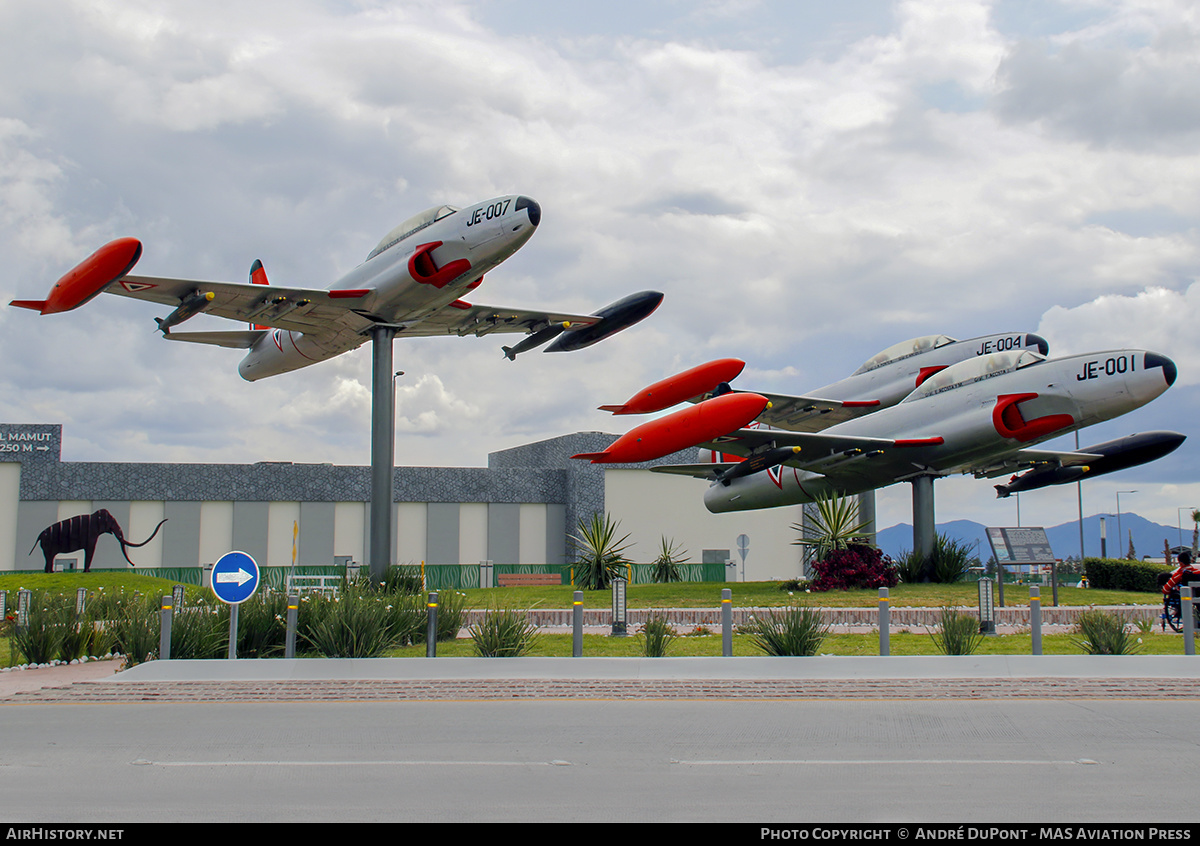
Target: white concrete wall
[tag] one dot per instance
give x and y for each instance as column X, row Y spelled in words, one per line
column 216, row 530
column 410, row 532
column 532, row 534
column 350, row 530
column 651, row 505
column 472, row 532
column 143, row 517
column 281, row 522
column 10, row 495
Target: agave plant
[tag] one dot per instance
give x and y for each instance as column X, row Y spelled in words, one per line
column 599, row 554
column 958, row 633
column 834, row 526
column 666, row 566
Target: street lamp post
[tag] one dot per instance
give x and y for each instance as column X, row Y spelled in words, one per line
column 1179, row 515
column 1121, row 537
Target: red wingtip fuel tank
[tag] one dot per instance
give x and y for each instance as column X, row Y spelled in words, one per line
column 686, row 428
column 682, row 386
column 89, row 277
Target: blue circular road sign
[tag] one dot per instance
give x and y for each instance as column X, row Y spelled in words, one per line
column 234, row 578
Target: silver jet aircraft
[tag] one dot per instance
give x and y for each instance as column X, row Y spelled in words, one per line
column 414, row 281
column 884, row 379
column 982, row 416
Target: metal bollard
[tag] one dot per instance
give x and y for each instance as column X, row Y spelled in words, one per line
column 726, row 622
column 1035, row 617
column 577, row 625
column 431, row 627
column 293, row 615
column 164, row 628
column 885, row 623
column 1189, row 623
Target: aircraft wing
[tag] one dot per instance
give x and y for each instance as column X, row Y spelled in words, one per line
column 460, row 318
column 295, row 309
column 808, row 414
column 1023, row 458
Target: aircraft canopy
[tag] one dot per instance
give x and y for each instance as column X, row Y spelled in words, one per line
column 413, row 224
column 974, row 370
column 903, row 350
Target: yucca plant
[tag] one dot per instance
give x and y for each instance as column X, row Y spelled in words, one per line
column 1104, row 634
column 599, row 554
column 951, row 560
column 657, row 635
column 666, row 566
column 798, row 630
column 354, row 625
column 262, row 625
column 957, row 633
column 835, row 525
column 503, row 633
column 39, row 641
column 200, row 632
column 135, row 630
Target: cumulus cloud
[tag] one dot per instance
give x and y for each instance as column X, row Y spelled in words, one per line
column 806, row 188
column 1158, row 319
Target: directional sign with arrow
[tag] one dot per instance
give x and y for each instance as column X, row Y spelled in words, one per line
column 235, row 578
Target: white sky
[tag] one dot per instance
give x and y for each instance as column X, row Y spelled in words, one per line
column 807, row 182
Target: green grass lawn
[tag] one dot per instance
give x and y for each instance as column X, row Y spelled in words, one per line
column 902, row 643
column 683, row 595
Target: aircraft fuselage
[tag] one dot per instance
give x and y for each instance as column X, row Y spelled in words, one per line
column 967, row 415
column 417, row 275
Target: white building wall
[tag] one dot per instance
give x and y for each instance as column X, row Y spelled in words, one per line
column 472, row 532
column 10, row 495
column 281, row 521
column 349, row 530
column 651, row 505
column 144, row 515
column 410, row 532
column 533, row 533
column 216, row 530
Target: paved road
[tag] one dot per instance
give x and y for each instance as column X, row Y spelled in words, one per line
column 968, row 740
column 561, row 761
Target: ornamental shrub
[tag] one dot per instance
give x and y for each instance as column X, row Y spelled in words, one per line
column 1119, row 574
column 856, row 566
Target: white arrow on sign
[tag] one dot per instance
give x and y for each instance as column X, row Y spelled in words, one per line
column 241, row 577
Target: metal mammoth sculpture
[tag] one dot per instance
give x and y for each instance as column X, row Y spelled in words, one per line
column 82, row 532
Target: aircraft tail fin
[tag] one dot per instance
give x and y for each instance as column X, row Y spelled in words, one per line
column 35, row 305
column 258, row 276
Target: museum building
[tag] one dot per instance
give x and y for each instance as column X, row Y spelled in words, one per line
column 520, row 509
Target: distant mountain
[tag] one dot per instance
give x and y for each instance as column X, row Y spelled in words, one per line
column 1148, row 537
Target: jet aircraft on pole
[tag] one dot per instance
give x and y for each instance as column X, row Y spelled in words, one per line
column 982, row 415
column 414, row 281
column 411, row 285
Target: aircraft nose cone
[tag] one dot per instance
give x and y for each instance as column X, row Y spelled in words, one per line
column 1037, row 341
column 1168, row 366
column 535, row 211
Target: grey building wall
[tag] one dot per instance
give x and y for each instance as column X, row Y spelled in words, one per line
column 441, row 532
column 250, row 528
column 540, row 473
column 504, row 533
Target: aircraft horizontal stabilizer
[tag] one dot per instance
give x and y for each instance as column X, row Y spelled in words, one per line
column 242, row 340
column 696, row 471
